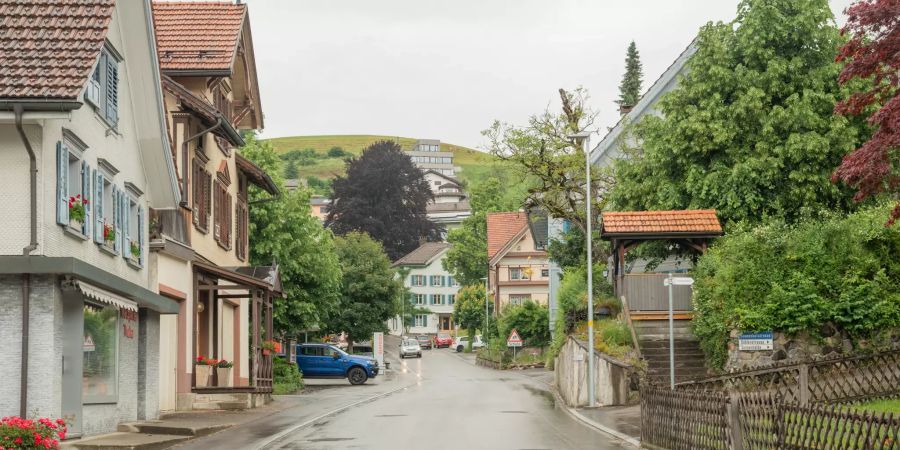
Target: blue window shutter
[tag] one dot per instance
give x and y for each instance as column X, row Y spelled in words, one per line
column 62, row 184
column 117, row 218
column 140, row 226
column 86, row 195
column 444, row 281
column 112, row 90
column 424, row 320
column 98, row 207
column 126, row 239
column 412, row 280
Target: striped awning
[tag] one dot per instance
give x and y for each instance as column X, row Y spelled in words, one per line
column 104, row 296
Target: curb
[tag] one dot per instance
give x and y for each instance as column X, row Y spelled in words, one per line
column 597, row 426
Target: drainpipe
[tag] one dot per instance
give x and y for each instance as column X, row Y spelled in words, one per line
column 184, row 159
column 26, row 278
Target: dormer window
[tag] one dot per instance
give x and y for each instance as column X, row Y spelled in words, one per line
column 103, row 87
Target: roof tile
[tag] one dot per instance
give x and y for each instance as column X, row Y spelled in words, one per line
column 682, row 221
column 423, row 254
column 501, row 227
column 48, row 47
column 197, row 35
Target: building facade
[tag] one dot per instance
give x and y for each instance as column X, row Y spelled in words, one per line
column 83, row 156
column 200, row 248
column 432, row 288
column 517, row 270
column 426, row 154
column 451, row 204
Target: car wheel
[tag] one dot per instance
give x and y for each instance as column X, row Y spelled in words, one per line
column 419, row 355
column 357, row 376
column 459, row 349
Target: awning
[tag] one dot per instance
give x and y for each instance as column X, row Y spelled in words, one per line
column 104, row 296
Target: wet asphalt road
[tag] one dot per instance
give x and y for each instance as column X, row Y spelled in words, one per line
column 446, row 402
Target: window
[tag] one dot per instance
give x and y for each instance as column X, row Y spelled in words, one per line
column 438, row 183
column 201, row 190
column 311, row 351
column 73, row 186
column 545, row 273
column 452, row 282
column 103, row 88
column 100, row 365
column 519, row 273
column 222, row 223
column 421, row 320
column 437, row 280
column 519, row 299
column 437, row 299
column 417, row 280
column 451, row 299
column 419, row 299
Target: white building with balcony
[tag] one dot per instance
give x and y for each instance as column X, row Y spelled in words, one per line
column 432, row 288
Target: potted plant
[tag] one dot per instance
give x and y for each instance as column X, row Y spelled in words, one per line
column 44, row 433
column 77, row 211
column 109, row 234
column 202, row 370
column 135, row 251
column 223, row 372
column 268, row 347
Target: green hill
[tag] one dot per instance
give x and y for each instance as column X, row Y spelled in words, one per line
column 317, row 163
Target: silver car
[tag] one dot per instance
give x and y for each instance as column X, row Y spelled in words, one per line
column 410, row 347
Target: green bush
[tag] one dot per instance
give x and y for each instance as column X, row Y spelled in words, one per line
column 337, row 152
column 841, row 270
column 287, row 377
column 613, row 332
column 531, row 320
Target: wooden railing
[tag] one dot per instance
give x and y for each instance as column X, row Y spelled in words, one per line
column 173, row 223
column 264, row 372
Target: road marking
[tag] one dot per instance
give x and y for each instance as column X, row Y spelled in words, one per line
column 322, row 416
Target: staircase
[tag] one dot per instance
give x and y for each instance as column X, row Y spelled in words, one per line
column 653, row 336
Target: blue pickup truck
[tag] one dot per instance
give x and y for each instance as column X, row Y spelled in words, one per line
column 328, row 361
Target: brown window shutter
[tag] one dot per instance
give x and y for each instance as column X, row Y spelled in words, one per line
column 196, row 189
column 229, row 215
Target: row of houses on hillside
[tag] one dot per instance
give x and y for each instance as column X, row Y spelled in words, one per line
column 124, row 256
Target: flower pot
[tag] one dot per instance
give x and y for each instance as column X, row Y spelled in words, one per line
column 266, row 352
column 202, row 373
column 224, row 375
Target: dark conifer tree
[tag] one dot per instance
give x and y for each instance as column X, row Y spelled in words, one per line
column 630, row 89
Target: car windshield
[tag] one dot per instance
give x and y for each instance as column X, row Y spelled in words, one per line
column 422, row 338
column 331, row 350
column 445, row 335
column 410, row 342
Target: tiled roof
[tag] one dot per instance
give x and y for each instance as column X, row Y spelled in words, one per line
column 197, row 35
column 48, row 47
column 422, row 255
column 501, row 227
column 642, row 222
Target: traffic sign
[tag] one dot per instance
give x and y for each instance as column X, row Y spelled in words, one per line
column 679, row 281
column 514, row 340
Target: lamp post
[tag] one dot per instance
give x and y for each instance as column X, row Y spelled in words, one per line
column 584, row 138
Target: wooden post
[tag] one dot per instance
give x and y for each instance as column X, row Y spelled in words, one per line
column 254, row 319
column 804, row 384
column 734, row 422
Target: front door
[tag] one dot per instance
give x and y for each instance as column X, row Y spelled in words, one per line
column 445, row 323
column 168, row 359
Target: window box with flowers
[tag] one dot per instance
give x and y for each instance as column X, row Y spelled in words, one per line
column 43, row 433
column 135, row 251
column 223, row 373
column 77, row 212
column 267, row 347
column 109, row 236
column 203, row 369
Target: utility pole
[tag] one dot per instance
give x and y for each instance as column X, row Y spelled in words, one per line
column 584, row 138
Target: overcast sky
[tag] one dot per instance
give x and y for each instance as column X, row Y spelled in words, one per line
column 446, row 69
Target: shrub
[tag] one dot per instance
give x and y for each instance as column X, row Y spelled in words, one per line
column 287, row 377
column 16, row 432
column 840, row 270
column 337, row 152
column 531, row 320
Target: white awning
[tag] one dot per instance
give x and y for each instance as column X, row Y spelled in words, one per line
column 104, row 296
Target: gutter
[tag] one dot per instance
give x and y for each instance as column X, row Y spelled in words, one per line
column 185, row 170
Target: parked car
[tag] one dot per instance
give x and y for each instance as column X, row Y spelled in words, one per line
column 424, row 341
column 410, row 347
column 328, row 361
column 443, row 340
column 461, row 342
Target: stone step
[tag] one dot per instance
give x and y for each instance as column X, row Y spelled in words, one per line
column 219, row 405
column 126, row 441
column 664, row 343
column 172, row 428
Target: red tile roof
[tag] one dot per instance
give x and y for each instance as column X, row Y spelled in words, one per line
column 640, row 222
column 49, row 47
column 501, row 227
column 197, row 35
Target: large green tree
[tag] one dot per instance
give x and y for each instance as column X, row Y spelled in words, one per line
column 467, row 258
column 283, row 230
column 468, row 310
column 630, row 89
column 749, row 131
column 383, row 195
column 369, row 289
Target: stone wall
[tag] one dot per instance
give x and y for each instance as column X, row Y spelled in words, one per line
column 612, row 380
column 803, row 347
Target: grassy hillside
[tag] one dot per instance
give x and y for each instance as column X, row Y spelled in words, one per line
column 325, row 167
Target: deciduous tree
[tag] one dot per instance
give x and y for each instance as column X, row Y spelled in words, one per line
column 468, row 310
column 750, row 129
column 873, row 53
column 384, row 195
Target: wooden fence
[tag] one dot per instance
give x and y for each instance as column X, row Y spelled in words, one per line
column 794, row 406
column 646, row 292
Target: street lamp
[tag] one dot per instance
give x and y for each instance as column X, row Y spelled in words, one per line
column 584, row 138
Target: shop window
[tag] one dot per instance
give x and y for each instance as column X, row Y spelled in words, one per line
column 100, row 350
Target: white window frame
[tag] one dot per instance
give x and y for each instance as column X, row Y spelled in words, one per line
column 99, row 85
column 418, row 280
column 419, row 299
column 421, row 320
column 521, row 274
column 519, row 299
column 437, row 280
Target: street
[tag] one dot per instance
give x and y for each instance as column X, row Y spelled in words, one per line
column 441, row 401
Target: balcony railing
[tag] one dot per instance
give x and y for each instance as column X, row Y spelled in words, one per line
column 172, row 223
